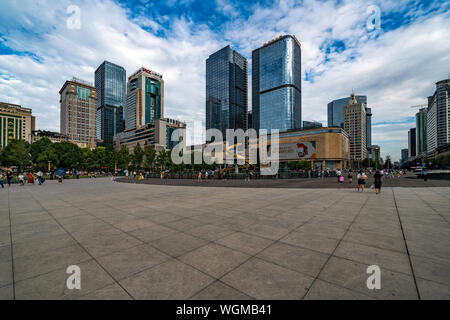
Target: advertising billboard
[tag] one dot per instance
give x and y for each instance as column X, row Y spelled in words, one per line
column 297, row 151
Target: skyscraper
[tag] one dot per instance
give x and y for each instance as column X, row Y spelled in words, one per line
column 145, row 98
column 336, row 115
column 110, row 82
column 16, row 122
column 412, row 143
column 438, row 116
column 78, row 109
column 276, row 85
column 421, row 131
column 404, row 155
column 226, row 90
column 355, row 125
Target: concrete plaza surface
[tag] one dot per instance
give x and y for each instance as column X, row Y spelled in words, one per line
column 138, row 241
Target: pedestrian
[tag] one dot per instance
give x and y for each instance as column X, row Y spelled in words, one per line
column 30, row 178
column 141, row 177
column 206, row 175
column 39, row 175
column 361, row 180
column 377, row 181
column 350, row 176
column 9, row 177
column 199, row 177
column 1, row 179
column 424, row 174
column 21, row 179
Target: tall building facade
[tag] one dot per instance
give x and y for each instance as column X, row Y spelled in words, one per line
column 110, row 82
column 145, row 98
column 412, row 143
column 336, row 115
column 438, row 116
column 276, row 85
column 355, row 125
column 226, row 90
column 16, row 123
column 421, row 131
column 404, row 153
column 78, row 112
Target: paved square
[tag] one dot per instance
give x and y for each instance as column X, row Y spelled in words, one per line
column 143, row 241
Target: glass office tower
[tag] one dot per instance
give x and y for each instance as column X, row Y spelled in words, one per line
column 226, row 90
column 421, row 131
column 276, row 85
column 336, row 115
column 110, row 80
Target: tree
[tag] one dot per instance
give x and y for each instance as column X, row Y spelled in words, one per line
column 149, row 157
column 163, row 159
column 123, row 158
column 388, row 163
column 48, row 155
column 138, row 157
column 17, row 153
column 39, row 147
column 69, row 155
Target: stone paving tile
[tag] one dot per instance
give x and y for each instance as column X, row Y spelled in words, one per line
column 264, row 280
column 37, row 264
column 322, row 290
column 298, row 259
column 178, row 244
column 170, row 280
column 122, row 264
column 293, row 238
column 311, row 241
column 53, row 285
column 430, row 290
column 245, row 243
column 220, row 291
column 6, row 293
column 214, row 259
column 385, row 259
column 110, row 292
column 353, row 276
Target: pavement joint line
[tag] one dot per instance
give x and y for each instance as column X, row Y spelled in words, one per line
column 406, row 245
column 431, row 207
column 273, row 242
column 12, row 249
column 337, row 245
column 93, row 258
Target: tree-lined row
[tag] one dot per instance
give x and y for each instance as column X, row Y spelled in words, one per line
column 42, row 153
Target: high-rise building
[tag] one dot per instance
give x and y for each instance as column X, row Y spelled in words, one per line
column 404, row 155
column 145, row 98
column 438, row 116
column 226, row 90
column 78, row 110
column 355, row 124
column 421, row 131
column 249, row 119
column 412, row 143
column 110, row 82
column 276, row 85
column 16, row 123
column 336, row 115
column 306, row 125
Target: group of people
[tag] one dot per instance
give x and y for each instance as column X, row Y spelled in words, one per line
column 361, row 178
column 27, row 178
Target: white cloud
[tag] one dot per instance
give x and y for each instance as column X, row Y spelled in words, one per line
column 395, row 70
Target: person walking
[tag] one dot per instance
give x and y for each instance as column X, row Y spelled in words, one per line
column 30, row 178
column 21, row 179
column 377, row 181
column 424, row 174
column 361, row 180
column 199, row 176
column 39, row 175
column 1, row 179
column 350, row 176
column 9, row 177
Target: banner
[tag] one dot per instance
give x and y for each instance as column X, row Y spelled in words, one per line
column 298, row 151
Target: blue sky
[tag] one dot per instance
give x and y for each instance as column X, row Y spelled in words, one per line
column 396, row 65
